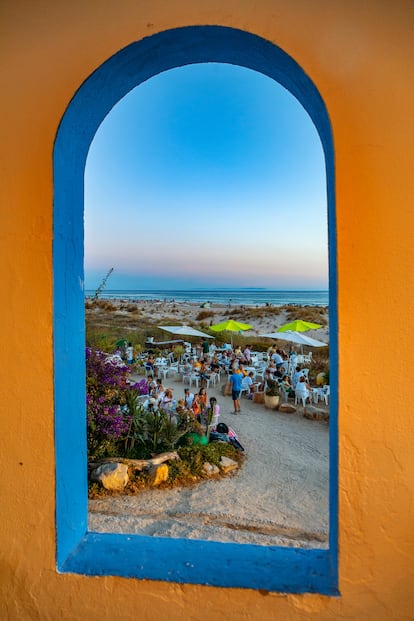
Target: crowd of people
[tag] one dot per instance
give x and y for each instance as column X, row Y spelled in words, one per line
column 206, row 362
column 198, row 405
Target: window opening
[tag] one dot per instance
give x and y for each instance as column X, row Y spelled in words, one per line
column 211, row 177
column 81, row 551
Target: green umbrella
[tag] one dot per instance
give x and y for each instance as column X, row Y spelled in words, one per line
column 299, row 326
column 121, row 342
column 231, row 326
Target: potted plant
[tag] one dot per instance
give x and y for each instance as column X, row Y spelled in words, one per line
column 272, row 395
column 178, row 352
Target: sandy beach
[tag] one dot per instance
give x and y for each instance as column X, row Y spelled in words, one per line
column 146, row 313
column 278, row 497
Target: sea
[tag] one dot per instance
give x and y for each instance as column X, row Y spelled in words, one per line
column 229, row 297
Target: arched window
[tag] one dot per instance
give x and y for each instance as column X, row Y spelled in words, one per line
column 192, row 561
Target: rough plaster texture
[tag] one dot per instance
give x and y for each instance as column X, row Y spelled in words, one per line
column 360, row 56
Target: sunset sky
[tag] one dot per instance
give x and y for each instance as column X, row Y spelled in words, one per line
column 207, row 175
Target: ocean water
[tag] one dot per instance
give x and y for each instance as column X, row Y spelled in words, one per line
column 232, row 297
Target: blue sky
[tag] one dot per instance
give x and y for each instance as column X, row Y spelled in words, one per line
column 207, row 175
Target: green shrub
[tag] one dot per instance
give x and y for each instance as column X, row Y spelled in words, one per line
column 205, row 314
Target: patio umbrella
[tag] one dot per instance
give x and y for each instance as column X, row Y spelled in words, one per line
column 184, row 331
column 121, row 342
column 230, row 326
column 295, row 337
column 299, row 326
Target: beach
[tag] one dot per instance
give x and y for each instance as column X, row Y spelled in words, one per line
column 280, row 494
column 134, row 314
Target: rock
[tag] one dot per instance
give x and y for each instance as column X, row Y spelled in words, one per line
column 227, row 464
column 113, row 476
column 288, row 408
column 313, row 413
column 210, row 469
column 158, row 474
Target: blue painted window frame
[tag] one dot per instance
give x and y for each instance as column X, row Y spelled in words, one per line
column 289, row 570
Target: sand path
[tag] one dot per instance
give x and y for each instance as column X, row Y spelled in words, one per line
column 279, row 496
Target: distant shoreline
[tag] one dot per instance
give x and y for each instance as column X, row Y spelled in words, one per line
column 222, row 297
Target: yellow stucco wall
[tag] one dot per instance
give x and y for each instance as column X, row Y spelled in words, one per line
column 360, row 55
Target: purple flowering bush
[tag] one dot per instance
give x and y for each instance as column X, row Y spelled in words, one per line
column 108, row 396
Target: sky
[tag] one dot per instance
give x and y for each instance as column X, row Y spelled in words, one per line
column 208, row 175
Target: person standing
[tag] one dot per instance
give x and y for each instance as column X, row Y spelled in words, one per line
column 247, row 355
column 130, row 353
column 206, row 348
column 236, row 386
column 188, row 398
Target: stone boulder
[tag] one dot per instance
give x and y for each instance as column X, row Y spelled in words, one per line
column 227, row 464
column 113, row 476
column 210, row 470
column 313, row 413
column 288, row 408
column 158, row 474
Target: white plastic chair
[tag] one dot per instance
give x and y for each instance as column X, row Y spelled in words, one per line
column 194, row 378
column 259, row 371
column 284, row 393
column 173, row 368
column 245, row 388
column 285, row 367
column 163, row 372
column 307, row 359
column 325, row 393
column 215, row 377
column 301, row 396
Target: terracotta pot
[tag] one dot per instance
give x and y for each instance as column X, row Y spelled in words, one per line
column 271, row 403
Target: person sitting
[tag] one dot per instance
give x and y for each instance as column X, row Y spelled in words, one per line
column 249, row 383
column 149, row 363
column 152, row 386
column 166, row 400
column 181, row 407
column 215, row 365
column 225, row 361
column 203, row 398
column 280, row 372
column 277, row 358
column 118, row 353
column 203, row 373
column 297, row 375
column 302, row 388
column 286, row 387
column 272, row 367
column 247, row 355
column 159, row 389
column 242, row 370
column 196, row 407
column 188, row 398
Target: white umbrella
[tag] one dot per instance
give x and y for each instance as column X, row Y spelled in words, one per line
column 184, row 331
column 295, row 337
